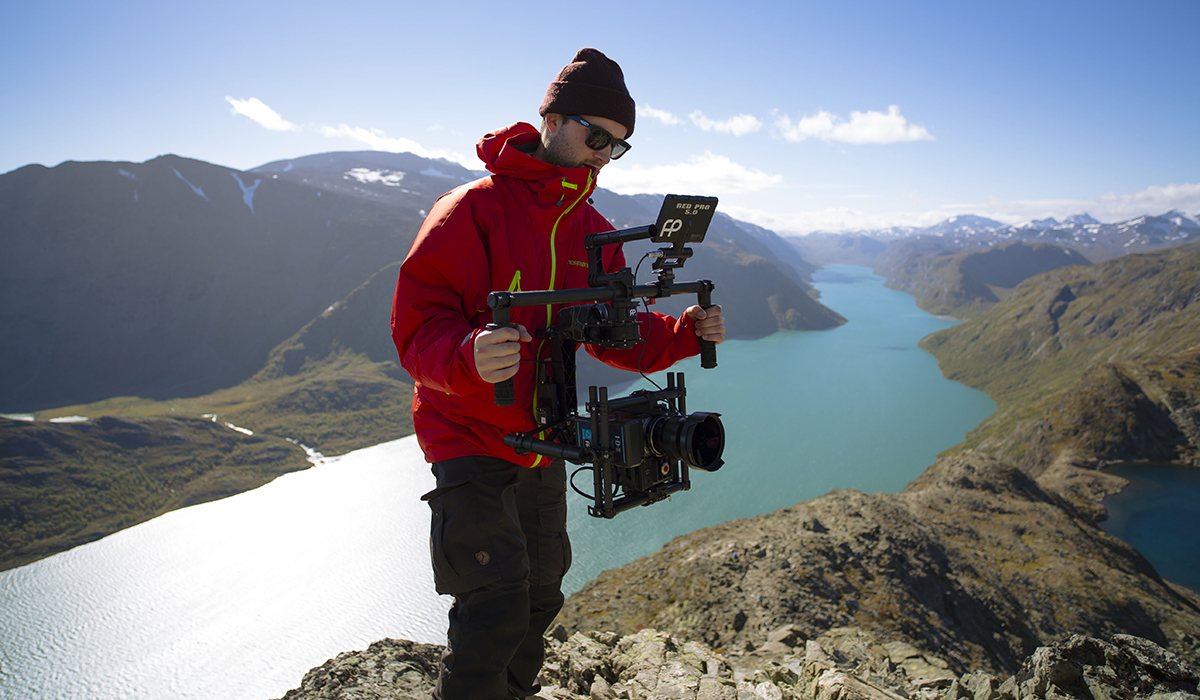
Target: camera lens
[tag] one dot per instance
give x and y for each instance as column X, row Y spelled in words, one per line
column 698, row 440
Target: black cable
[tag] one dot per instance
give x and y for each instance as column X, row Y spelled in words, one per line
column 588, row 496
column 646, row 340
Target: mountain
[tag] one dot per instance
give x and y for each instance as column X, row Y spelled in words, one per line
column 965, row 264
column 176, row 277
column 1080, row 232
column 168, row 278
column 962, row 283
column 964, row 226
column 400, row 179
column 846, row 248
column 178, row 289
column 1088, row 364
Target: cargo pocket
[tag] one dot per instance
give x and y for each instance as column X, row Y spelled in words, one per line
column 459, row 547
column 554, row 545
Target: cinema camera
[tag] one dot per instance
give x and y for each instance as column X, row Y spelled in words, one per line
column 636, row 446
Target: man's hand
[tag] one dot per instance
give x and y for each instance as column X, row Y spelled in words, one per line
column 710, row 324
column 498, row 352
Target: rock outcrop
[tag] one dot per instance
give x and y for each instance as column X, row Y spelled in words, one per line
column 973, row 562
column 843, row 664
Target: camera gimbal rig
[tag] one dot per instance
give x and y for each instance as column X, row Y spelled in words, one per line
column 635, row 444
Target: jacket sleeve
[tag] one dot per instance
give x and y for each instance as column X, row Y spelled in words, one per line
column 435, row 310
column 665, row 340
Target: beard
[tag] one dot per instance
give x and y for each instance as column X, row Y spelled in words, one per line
column 558, row 152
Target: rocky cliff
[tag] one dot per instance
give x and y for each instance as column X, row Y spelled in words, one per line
column 843, row 664
column 974, row 562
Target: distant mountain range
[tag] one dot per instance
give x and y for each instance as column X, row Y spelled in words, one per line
column 965, row 264
column 1096, row 241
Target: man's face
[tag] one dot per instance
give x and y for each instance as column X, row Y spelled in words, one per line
column 566, row 148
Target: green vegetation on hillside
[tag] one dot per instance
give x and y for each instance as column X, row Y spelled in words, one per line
column 964, row 283
column 1103, row 360
column 64, row 484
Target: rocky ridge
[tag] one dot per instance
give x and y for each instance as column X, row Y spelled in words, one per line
column 843, row 664
column 973, row 561
column 987, row 572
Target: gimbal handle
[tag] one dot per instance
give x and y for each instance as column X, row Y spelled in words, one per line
column 708, row 349
column 505, row 391
column 500, row 303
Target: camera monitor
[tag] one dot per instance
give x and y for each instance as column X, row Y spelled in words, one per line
column 684, row 219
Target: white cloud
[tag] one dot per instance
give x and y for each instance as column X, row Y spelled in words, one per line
column 1108, row 208
column 740, row 125
column 661, row 115
column 261, row 114
column 379, row 141
column 1152, row 200
column 374, row 138
column 708, row 173
column 862, row 127
column 830, row 219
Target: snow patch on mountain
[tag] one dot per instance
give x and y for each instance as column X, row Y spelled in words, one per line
column 195, row 189
column 247, row 192
column 390, row 178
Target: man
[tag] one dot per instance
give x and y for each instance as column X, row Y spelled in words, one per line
column 498, row 535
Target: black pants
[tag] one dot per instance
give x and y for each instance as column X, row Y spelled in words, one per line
column 499, row 545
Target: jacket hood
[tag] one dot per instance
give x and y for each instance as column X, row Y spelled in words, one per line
column 507, row 152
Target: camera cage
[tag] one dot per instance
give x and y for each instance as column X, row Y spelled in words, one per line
column 610, row 321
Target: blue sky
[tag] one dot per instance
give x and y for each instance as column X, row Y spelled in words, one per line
column 798, row 116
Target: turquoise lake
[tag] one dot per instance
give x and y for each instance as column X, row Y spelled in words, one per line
column 859, row 406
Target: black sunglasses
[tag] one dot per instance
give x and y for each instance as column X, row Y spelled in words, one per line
column 598, row 139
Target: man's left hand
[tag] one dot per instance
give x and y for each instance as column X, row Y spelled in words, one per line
column 710, row 324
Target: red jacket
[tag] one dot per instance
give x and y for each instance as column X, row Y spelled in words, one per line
column 520, row 229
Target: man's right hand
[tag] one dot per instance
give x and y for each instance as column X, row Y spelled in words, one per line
column 498, row 352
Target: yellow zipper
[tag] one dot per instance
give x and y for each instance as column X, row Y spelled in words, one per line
column 554, row 268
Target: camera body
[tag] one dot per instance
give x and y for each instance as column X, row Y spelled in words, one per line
column 637, row 446
column 649, row 445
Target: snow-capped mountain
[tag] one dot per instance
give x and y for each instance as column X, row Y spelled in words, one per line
column 1098, row 241
column 967, row 225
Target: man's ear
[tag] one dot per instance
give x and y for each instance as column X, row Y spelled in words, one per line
column 553, row 122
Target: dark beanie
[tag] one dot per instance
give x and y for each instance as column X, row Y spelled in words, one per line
column 591, row 83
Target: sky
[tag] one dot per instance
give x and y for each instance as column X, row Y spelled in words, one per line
column 799, row 116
